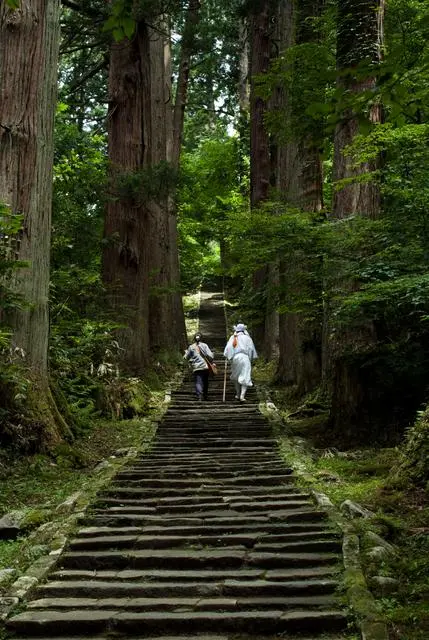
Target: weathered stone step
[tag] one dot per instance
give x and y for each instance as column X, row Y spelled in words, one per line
column 232, row 557
column 197, row 603
column 194, row 521
column 228, row 480
column 229, row 455
column 207, row 444
column 205, row 465
column 200, row 576
column 202, row 510
column 275, row 531
column 212, row 518
column 221, row 474
column 115, row 497
column 289, row 493
column 165, row 542
column 214, row 507
column 256, row 622
column 209, row 490
column 222, row 446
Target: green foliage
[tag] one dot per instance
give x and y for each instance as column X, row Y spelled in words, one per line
column 209, row 193
column 153, row 183
column 415, row 451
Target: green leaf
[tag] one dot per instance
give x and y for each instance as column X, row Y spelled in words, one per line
column 13, row 4
column 129, row 26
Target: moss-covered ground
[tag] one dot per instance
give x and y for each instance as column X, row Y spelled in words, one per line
column 366, row 476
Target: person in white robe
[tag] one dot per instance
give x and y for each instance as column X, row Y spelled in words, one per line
column 240, row 351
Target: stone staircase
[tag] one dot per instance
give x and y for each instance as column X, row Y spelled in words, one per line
column 206, row 536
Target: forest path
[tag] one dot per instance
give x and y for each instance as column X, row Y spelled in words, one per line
column 206, row 536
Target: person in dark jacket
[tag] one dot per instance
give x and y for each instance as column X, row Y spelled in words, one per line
column 197, row 354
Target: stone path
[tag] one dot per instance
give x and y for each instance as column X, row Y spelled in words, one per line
column 206, row 536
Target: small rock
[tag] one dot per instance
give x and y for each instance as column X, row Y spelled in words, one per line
column 21, row 586
column 322, row 500
column 327, row 476
column 121, row 453
column 372, row 539
column 6, row 575
column 378, row 554
column 68, row 505
column 383, row 586
column 10, row 525
column 103, row 465
column 6, row 604
column 355, row 510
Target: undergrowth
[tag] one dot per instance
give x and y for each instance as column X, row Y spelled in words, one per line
column 400, row 508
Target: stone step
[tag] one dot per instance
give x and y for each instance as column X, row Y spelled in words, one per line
column 231, row 557
column 165, row 542
column 210, row 490
column 121, row 495
column 211, row 471
column 222, row 474
column 201, row 510
column 235, row 506
column 201, row 576
column 230, row 455
column 183, row 603
column 257, row 622
column 227, row 480
column 275, row 531
column 309, row 515
column 206, row 444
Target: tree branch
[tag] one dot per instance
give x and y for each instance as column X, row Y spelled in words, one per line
column 74, row 86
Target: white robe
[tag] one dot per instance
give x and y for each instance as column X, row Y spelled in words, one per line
column 241, row 357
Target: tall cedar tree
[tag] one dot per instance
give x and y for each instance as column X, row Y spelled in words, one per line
column 359, row 51
column 140, row 236
column 299, row 181
column 260, row 161
column 29, row 43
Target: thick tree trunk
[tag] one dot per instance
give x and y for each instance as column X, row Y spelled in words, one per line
column 29, row 43
column 178, row 327
column 359, row 39
column 178, row 114
column 126, row 260
column 160, row 307
column 299, row 179
column 186, row 51
column 266, row 333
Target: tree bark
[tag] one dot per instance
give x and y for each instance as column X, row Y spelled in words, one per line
column 359, row 39
column 299, row 180
column 125, row 262
column 176, row 118
column 29, row 45
column 266, row 332
column 186, row 51
column 178, row 317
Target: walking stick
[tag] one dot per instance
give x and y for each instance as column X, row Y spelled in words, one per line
column 224, row 380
